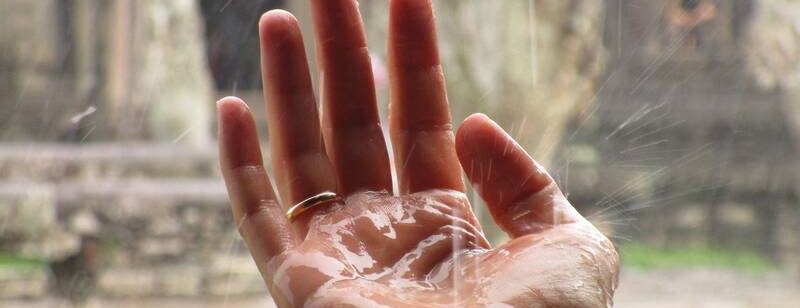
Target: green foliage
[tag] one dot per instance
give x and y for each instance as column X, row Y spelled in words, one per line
column 19, row 263
column 648, row 257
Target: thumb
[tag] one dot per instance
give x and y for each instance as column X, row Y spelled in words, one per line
column 521, row 196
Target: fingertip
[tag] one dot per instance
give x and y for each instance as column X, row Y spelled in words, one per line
column 232, row 101
column 477, row 116
column 478, row 122
column 476, row 132
column 238, row 139
column 277, row 24
column 411, row 6
column 413, row 39
column 277, row 17
column 230, row 109
column 475, row 121
column 338, row 23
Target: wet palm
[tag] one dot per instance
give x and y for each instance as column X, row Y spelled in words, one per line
column 422, row 246
column 426, row 249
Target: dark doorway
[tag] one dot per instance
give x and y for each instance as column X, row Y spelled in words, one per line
column 232, row 40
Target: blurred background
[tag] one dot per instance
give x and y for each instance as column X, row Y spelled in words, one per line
column 671, row 124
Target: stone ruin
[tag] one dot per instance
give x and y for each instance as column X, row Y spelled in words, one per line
column 116, row 188
column 109, row 182
column 692, row 138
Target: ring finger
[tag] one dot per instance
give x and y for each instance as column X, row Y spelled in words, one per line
column 298, row 156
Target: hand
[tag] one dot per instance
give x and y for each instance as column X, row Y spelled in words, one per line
column 423, row 246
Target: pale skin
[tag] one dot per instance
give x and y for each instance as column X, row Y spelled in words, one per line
column 420, row 246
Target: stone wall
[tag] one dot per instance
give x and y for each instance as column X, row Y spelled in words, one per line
column 126, row 220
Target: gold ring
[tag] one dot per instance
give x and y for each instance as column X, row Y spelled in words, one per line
column 307, row 204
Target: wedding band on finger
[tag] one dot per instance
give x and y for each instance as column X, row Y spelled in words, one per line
column 313, row 201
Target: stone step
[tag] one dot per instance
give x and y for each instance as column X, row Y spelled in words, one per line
column 176, row 232
column 141, row 193
column 65, row 196
column 58, row 162
column 154, row 217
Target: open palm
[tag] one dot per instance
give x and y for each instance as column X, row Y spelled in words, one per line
column 422, row 246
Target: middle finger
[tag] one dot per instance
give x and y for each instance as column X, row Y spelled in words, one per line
column 350, row 118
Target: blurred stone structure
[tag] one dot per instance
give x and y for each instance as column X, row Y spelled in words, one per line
column 126, row 221
column 774, row 61
column 693, row 136
column 685, row 120
column 98, row 70
column 108, row 178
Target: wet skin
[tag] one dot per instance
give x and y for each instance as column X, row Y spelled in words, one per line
column 421, row 245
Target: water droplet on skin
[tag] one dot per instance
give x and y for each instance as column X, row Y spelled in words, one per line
column 349, row 259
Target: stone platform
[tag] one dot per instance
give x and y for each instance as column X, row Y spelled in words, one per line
column 138, row 220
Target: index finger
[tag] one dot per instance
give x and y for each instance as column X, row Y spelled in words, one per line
column 421, row 126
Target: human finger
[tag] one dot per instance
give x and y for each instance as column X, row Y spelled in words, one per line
column 299, row 161
column 351, row 122
column 257, row 214
column 421, row 126
column 521, row 196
